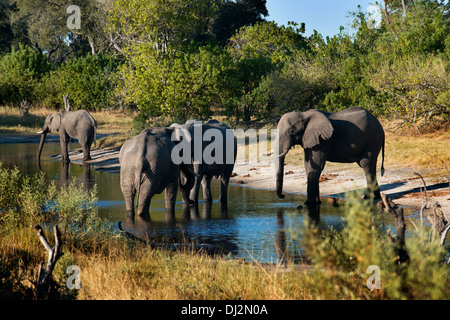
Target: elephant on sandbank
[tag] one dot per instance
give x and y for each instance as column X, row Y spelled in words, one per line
column 351, row 135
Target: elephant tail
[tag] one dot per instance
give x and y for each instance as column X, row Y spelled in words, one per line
column 382, row 158
column 95, row 132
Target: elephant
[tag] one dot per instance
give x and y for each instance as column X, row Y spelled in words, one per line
column 146, row 169
column 351, row 135
column 70, row 124
column 205, row 170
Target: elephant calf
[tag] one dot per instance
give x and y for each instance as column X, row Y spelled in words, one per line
column 351, row 135
column 147, row 169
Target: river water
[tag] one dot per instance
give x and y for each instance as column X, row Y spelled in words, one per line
column 255, row 226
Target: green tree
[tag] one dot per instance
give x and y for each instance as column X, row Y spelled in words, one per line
column 43, row 26
column 88, row 81
column 234, row 15
column 179, row 85
column 20, row 73
column 257, row 51
column 6, row 34
column 162, row 25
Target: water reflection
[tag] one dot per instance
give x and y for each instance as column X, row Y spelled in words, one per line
column 85, row 178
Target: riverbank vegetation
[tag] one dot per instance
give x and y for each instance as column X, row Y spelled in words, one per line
column 224, row 58
column 114, row 267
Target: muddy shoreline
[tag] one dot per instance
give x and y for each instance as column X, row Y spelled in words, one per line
column 401, row 184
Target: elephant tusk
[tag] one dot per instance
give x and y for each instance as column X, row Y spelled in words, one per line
column 40, row 132
column 283, row 154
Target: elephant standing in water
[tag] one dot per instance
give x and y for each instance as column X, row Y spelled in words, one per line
column 70, row 124
column 147, row 169
column 222, row 149
column 351, row 135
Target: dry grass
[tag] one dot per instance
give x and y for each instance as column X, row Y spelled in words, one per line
column 142, row 273
column 119, row 269
column 12, row 122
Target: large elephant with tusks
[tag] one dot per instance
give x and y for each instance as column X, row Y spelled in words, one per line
column 351, row 135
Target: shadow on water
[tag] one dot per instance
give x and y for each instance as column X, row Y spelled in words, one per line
column 254, row 225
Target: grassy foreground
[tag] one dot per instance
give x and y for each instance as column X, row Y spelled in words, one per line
column 113, row 267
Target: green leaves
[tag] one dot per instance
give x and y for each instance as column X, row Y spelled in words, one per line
column 20, row 72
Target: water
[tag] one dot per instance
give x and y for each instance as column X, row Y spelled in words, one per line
column 256, row 225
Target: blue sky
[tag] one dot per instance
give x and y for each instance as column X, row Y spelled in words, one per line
column 323, row 15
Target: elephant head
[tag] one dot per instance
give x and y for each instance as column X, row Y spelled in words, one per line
column 308, row 129
column 51, row 124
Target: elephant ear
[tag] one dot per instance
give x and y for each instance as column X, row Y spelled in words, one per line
column 55, row 123
column 317, row 126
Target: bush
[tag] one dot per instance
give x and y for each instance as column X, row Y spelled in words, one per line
column 342, row 259
column 22, row 198
column 27, row 200
column 20, row 72
column 89, row 81
column 76, row 212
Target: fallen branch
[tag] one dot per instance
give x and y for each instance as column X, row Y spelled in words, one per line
column 434, row 214
column 397, row 213
column 44, row 281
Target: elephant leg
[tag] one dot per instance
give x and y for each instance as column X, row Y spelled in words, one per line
column 206, row 184
column 369, row 165
column 314, row 164
column 198, row 179
column 171, row 197
column 86, row 147
column 146, row 193
column 224, row 180
column 64, row 140
column 129, row 205
column 86, row 152
column 129, row 193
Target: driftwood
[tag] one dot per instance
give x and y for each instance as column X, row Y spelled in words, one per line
column 66, row 102
column 202, row 247
column 432, row 211
column 397, row 213
column 25, row 106
column 44, row 281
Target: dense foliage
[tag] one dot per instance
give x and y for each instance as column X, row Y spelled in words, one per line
column 176, row 61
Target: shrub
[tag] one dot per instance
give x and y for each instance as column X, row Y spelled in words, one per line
column 20, row 72
column 342, row 259
column 89, row 82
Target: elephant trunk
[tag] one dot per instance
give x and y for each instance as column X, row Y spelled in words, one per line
column 279, row 166
column 187, row 175
column 41, row 144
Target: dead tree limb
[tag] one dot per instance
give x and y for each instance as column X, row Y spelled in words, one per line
column 396, row 212
column 433, row 212
column 44, row 281
column 66, row 102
